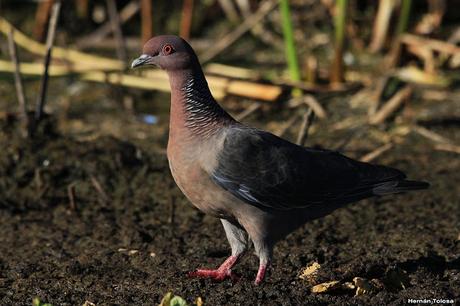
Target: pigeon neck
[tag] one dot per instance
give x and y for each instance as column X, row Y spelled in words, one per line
column 192, row 104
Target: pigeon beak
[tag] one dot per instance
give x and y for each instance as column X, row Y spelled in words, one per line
column 142, row 60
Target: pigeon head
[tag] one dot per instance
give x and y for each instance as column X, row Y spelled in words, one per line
column 168, row 52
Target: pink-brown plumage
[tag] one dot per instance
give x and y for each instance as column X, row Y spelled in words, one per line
column 261, row 186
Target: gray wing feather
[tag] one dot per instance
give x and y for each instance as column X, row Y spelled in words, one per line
column 267, row 171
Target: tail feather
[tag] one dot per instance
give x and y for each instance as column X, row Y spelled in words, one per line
column 399, row 186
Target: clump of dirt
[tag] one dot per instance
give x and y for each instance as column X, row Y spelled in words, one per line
column 95, row 221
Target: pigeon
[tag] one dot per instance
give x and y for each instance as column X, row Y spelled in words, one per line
column 260, row 186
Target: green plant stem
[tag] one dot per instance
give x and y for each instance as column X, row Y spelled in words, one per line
column 403, row 21
column 404, row 17
column 291, row 53
column 339, row 21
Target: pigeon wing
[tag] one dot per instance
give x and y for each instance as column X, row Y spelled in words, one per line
column 269, row 172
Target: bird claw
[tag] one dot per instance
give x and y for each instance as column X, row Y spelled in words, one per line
column 217, row 274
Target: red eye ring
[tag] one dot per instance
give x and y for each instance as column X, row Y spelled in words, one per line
column 167, row 49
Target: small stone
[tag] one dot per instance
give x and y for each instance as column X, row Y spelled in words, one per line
column 363, row 285
column 348, row 286
column 325, row 287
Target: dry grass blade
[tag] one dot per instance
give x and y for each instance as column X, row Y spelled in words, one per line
column 391, row 106
column 448, row 148
column 413, row 74
column 18, row 83
column 231, row 71
column 376, row 153
column 230, row 38
column 307, row 121
column 319, row 111
column 433, row 44
column 430, row 134
column 49, row 47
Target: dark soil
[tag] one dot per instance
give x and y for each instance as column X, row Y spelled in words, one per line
column 117, row 245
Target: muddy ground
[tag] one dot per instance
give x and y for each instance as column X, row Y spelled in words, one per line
column 115, row 242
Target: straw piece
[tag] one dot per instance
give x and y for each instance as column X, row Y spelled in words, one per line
column 392, row 105
column 97, row 62
column 376, row 153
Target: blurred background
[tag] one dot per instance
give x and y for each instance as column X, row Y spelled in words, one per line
column 85, row 191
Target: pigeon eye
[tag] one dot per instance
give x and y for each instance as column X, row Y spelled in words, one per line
column 168, row 49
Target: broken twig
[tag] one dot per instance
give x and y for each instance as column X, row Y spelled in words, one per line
column 71, row 195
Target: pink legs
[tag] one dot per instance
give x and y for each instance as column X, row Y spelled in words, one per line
column 261, row 273
column 224, row 271
column 219, row 274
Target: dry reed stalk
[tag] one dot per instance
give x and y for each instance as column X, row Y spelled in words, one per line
column 49, row 47
column 381, row 24
column 76, row 57
column 186, row 19
column 41, row 18
column 116, row 29
column 146, row 20
column 18, row 84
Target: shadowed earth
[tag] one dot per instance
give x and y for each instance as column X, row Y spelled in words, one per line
column 120, row 241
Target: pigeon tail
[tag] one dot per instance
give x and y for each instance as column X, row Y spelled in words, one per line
column 399, row 186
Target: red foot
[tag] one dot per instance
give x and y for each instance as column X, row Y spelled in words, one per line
column 218, row 274
column 260, row 274
column 223, row 272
